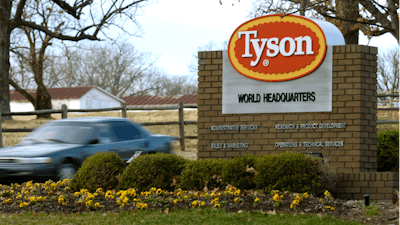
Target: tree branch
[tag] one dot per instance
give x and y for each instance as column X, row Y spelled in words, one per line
column 382, row 18
column 20, row 8
column 359, row 22
column 111, row 13
column 69, row 9
column 56, row 34
column 22, row 91
column 393, row 5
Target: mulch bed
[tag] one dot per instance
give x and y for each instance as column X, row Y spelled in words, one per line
column 348, row 210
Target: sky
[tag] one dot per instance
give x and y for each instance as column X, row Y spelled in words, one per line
column 174, row 29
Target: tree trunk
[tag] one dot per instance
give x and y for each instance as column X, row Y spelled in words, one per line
column 5, row 12
column 303, row 6
column 43, row 101
column 394, row 18
column 348, row 9
column 43, row 97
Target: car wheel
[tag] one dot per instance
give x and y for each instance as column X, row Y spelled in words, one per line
column 66, row 171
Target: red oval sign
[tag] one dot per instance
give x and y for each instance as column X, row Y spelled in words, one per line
column 277, row 48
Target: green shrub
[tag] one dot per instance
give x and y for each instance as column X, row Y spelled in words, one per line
column 153, row 170
column 100, row 170
column 203, row 173
column 240, row 172
column 287, row 172
column 388, row 150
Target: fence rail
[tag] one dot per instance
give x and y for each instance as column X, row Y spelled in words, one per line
column 388, row 99
column 64, row 114
column 391, row 95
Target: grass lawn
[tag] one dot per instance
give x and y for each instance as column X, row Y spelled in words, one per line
column 186, row 216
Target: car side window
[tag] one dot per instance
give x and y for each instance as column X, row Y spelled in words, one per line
column 123, row 131
column 104, row 130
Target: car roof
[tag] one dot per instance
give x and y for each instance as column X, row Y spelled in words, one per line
column 92, row 119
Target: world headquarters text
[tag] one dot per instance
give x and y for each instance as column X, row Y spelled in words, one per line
column 277, row 97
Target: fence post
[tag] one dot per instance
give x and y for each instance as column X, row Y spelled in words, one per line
column 124, row 110
column 390, row 99
column 181, row 125
column 1, row 131
column 64, row 112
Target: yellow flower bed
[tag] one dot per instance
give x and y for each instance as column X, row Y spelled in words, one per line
column 31, row 194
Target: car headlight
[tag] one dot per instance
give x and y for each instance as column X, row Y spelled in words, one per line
column 35, row 160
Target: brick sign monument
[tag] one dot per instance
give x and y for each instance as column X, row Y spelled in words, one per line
column 290, row 83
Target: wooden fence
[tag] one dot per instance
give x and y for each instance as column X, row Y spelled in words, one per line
column 392, row 98
column 388, row 99
column 64, row 114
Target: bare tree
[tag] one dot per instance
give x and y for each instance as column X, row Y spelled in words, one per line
column 343, row 13
column 117, row 67
column 81, row 20
column 388, row 70
column 187, row 85
column 32, row 48
column 178, row 85
column 151, row 84
column 53, row 74
column 210, row 46
column 68, row 68
column 372, row 17
column 388, row 73
column 19, row 74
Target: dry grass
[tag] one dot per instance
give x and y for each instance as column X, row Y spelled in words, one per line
column 387, row 127
column 10, row 139
column 388, row 115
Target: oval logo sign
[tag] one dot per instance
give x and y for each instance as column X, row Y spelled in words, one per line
column 277, row 48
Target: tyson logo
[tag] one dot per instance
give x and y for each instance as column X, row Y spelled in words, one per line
column 277, row 48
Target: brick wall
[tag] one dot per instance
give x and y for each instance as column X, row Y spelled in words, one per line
column 380, row 186
column 353, row 103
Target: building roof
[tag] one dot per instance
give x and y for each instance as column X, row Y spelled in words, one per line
column 62, row 93
column 78, row 92
column 156, row 100
column 109, row 94
column 56, row 93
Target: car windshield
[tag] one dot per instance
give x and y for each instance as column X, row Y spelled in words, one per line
column 62, row 132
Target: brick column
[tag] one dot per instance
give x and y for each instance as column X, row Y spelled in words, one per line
column 354, row 99
column 210, row 102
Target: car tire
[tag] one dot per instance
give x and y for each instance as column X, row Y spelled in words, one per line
column 66, row 171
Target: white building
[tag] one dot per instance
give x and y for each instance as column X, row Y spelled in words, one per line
column 74, row 98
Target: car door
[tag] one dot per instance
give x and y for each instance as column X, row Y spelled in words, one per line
column 102, row 139
column 129, row 139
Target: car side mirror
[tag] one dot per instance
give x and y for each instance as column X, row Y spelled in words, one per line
column 93, row 141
